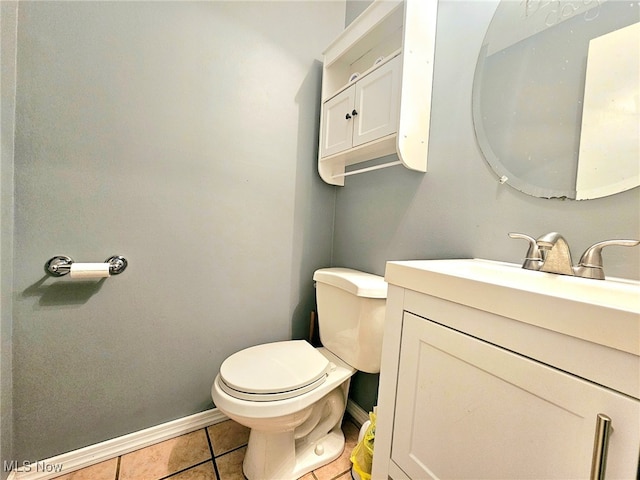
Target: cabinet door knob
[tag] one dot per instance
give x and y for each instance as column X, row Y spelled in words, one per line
column 347, row 116
column 354, row 113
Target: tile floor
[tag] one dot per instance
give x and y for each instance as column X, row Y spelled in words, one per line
column 212, row 453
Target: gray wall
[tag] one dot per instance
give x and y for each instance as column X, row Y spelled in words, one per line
column 354, row 8
column 458, row 209
column 182, row 135
column 8, row 17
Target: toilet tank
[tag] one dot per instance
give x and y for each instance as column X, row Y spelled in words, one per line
column 351, row 309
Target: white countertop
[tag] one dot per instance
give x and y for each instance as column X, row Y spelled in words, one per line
column 606, row 312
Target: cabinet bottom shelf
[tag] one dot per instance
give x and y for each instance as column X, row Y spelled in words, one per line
column 332, row 168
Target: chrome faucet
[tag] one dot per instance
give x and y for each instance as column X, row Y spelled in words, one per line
column 556, row 254
column 550, row 253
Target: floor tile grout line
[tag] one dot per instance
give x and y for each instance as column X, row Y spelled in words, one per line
column 232, row 450
column 203, row 462
column 213, row 456
column 341, row 474
column 185, row 469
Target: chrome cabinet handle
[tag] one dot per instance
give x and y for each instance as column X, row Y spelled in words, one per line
column 600, row 446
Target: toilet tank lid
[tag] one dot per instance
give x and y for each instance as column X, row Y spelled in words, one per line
column 357, row 283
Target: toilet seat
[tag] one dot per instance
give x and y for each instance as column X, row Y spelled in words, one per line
column 274, row 371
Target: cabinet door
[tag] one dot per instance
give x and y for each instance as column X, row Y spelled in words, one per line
column 377, row 103
column 337, row 123
column 467, row 409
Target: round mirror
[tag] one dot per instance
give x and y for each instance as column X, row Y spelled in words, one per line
column 556, row 97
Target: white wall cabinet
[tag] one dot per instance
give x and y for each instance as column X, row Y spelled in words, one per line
column 493, row 381
column 381, row 67
column 364, row 112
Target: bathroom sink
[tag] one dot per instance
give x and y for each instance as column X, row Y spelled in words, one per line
column 606, row 312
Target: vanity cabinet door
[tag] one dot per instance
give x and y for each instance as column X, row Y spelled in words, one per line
column 467, row 409
column 337, row 123
column 377, row 103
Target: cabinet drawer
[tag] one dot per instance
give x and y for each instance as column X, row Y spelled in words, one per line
column 469, row 409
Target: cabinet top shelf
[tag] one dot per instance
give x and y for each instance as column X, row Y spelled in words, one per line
column 379, row 21
column 373, row 67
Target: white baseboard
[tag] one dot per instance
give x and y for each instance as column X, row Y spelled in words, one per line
column 358, row 414
column 87, row 456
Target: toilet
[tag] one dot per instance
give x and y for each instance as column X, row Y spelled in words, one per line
column 293, row 396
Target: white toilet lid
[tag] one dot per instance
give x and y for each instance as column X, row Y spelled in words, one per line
column 274, row 371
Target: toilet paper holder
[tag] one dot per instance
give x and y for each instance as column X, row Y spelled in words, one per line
column 61, row 265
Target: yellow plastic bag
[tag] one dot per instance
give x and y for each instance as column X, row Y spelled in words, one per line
column 362, row 455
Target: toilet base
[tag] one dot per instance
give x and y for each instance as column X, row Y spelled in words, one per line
column 308, row 455
column 319, row 453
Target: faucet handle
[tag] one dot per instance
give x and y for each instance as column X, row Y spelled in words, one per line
column 590, row 264
column 534, row 259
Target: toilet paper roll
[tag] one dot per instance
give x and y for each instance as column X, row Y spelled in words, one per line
column 89, row 270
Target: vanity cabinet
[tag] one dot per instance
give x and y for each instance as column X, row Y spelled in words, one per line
column 376, row 89
column 481, row 411
column 467, row 392
column 364, row 112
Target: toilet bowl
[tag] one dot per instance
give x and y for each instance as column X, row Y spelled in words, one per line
column 293, row 396
column 292, row 436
